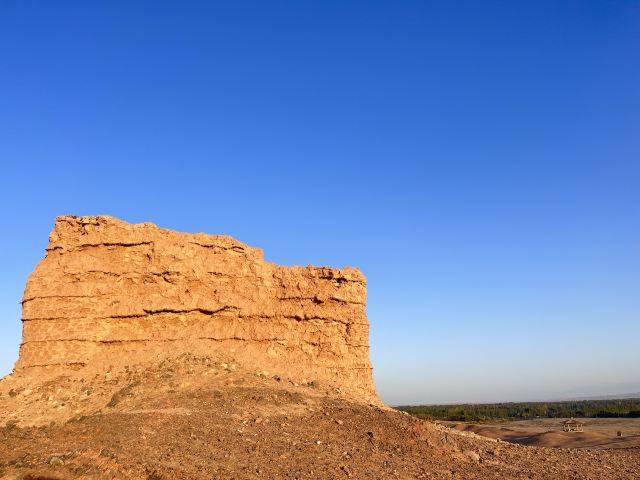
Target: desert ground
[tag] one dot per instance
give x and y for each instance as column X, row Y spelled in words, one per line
column 599, row 433
column 203, row 418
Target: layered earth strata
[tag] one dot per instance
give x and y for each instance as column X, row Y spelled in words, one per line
column 112, row 293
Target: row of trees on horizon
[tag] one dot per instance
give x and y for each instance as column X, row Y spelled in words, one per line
column 619, row 408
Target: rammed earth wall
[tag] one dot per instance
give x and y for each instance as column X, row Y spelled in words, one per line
column 110, row 292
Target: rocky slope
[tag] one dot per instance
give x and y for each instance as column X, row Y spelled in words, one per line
column 202, row 418
column 109, row 293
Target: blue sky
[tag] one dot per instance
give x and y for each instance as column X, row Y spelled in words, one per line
column 479, row 161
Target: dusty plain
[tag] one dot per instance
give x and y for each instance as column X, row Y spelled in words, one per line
column 599, row 433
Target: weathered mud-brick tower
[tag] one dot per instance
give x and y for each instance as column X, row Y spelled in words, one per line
column 109, row 292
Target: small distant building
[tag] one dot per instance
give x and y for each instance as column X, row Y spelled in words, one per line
column 572, row 425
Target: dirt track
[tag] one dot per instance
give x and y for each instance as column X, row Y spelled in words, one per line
column 599, row 433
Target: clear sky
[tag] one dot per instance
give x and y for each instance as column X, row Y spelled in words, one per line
column 479, row 161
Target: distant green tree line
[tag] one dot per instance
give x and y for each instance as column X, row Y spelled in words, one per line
column 624, row 408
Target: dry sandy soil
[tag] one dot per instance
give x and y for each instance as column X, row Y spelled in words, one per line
column 204, row 418
column 599, row 433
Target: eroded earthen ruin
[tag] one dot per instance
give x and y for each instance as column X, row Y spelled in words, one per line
column 109, row 292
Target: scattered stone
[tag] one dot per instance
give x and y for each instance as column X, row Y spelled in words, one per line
column 472, row 455
column 105, row 452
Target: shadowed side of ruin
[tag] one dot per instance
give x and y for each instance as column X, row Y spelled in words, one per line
column 109, row 292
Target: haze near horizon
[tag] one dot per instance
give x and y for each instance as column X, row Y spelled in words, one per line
column 479, row 163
